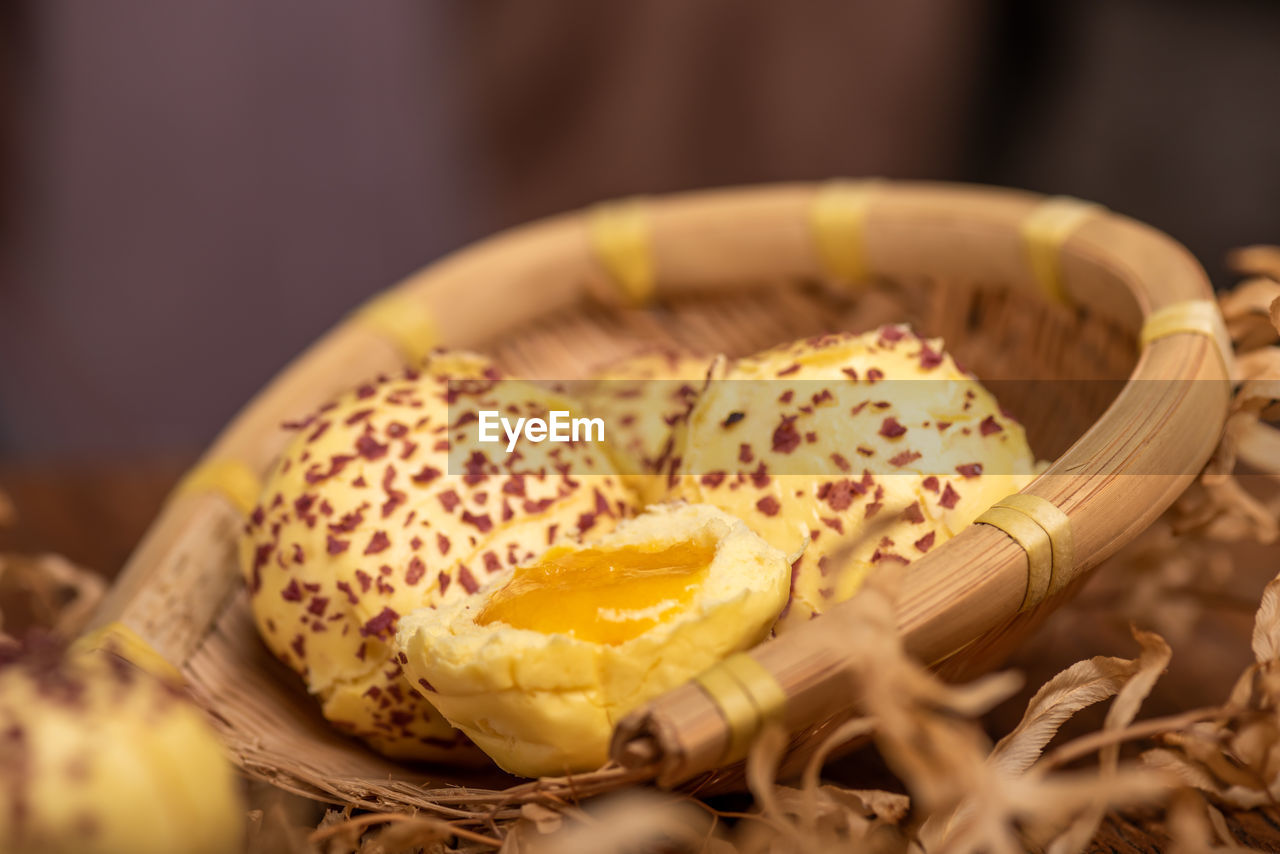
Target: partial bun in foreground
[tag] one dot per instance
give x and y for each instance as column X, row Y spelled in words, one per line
column 539, row 667
column 849, row 453
column 384, row 504
column 97, row 757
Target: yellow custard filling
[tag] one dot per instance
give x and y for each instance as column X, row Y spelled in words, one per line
column 606, row 596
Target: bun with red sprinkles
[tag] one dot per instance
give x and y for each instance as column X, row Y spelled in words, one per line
column 363, row 519
column 98, row 757
column 850, row 453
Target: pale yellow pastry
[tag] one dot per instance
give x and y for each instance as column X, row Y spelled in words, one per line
column 96, row 757
column 385, row 503
column 539, row 667
column 849, row 452
column 640, row 398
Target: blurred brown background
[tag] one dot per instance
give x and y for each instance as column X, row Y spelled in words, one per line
column 193, row 191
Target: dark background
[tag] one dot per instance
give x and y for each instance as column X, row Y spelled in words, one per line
column 193, row 191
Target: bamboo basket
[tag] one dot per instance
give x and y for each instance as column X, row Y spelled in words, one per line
column 1021, row 287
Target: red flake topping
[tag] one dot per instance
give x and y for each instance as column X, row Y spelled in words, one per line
column 902, row 459
column 891, row 333
column 337, row 546
column 744, row 453
column 348, row 523
column 890, row 428
column 785, row 437
column 381, row 625
column 449, row 500
column 759, row 478
column 949, row 497
column 292, row 592
column 481, row 521
column 415, row 543
column 379, row 542
column 357, row 416
column 364, row 391
column 444, row 580
column 365, row 580
column 926, row 542
column 351, row 594
column 336, row 464
column 840, row 494
column 298, row 556
column 768, row 505
column 318, row 605
column 841, row 462
column 874, row 374
column 930, row 483
column 425, row 476
column 786, row 396
column 850, row 373
column 319, row 431
column 989, row 426
column 369, row 447
column 913, row 513
column 943, row 425
column 970, row 469
column 873, row 508
column 514, row 485
column 491, row 562
column 299, row 646
column 929, row 358
column 835, row 523
column 538, row 506
column 395, row 429
column 790, row 369
column 442, row 542
column 416, row 570
column 467, row 580
column 713, row 479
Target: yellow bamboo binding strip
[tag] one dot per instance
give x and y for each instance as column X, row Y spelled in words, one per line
column 1034, row 541
column 1195, row 317
column 1020, row 516
column 747, row 695
column 1043, row 233
column 402, row 320
column 119, row 639
column 232, row 479
column 620, row 237
column 838, row 219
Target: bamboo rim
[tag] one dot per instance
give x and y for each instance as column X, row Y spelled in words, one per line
column 182, row 576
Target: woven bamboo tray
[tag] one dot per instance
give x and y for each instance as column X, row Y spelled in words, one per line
column 1021, row 287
